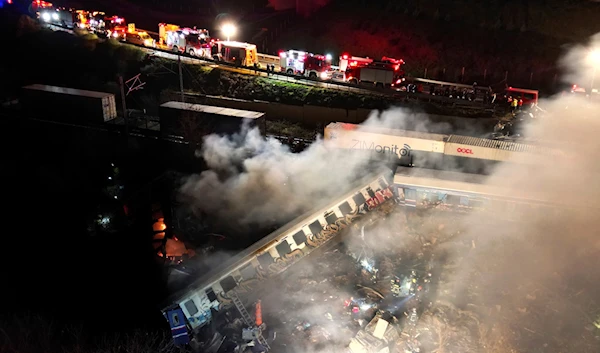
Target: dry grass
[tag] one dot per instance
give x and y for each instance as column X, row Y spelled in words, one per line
column 33, row 334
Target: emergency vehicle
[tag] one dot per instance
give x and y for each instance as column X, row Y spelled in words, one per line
column 163, row 28
column 529, row 96
column 140, row 38
column 116, row 27
column 39, row 5
column 378, row 73
column 593, row 94
column 296, row 62
column 347, row 61
column 58, row 16
column 195, row 42
column 242, row 54
column 96, row 22
column 92, row 21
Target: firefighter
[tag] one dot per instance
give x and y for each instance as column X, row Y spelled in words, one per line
column 514, row 104
column 520, row 103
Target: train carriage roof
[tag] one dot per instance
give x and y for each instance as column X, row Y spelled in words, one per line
column 246, row 255
column 493, row 187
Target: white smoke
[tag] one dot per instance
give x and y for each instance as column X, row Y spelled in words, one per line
column 253, row 180
column 504, row 285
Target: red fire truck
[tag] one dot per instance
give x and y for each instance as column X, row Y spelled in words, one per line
column 116, row 27
column 195, row 42
column 347, row 61
column 386, row 73
column 305, row 64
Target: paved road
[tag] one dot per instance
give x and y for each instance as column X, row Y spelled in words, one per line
column 393, row 94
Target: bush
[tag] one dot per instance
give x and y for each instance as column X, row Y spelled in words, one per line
column 228, row 84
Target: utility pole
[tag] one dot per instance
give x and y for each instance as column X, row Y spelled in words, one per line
column 180, row 77
column 122, row 85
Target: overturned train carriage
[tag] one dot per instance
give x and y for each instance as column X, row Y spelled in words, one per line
column 192, row 308
column 427, row 150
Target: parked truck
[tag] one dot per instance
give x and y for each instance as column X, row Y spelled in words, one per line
column 238, row 53
column 67, row 104
column 195, row 120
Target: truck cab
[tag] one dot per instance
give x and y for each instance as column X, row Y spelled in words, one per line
column 116, row 27
column 195, row 42
column 294, row 62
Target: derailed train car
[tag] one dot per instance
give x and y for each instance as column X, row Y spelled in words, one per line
column 427, row 150
column 465, row 192
column 191, row 309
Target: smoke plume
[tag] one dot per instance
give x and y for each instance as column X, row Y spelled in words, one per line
column 257, row 181
column 502, row 281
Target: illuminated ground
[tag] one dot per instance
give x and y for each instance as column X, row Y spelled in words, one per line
column 477, row 301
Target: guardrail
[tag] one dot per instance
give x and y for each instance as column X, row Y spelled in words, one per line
column 394, row 94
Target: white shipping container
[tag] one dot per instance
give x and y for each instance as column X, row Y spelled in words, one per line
column 381, row 140
column 473, row 147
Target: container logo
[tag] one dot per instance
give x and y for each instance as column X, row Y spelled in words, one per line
column 464, row 150
column 405, row 150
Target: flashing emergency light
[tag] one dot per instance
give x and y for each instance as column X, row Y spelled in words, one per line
column 328, row 57
column 282, row 54
column 345, row 56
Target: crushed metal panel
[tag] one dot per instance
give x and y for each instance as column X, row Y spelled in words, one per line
column 380, row 328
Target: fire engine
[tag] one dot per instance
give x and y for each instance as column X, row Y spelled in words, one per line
column 116, row 27
column 385, row 73
column 195, row 42
column 242, row 54
column 305, row 64
column 91, row 20
column 39, row 5
column 347, row 61
column 163, row 28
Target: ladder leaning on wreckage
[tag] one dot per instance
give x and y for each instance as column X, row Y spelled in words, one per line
column 192, row 308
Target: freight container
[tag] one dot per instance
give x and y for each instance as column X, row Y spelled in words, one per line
column 185, row 119
column 67, row 104
column 396, row 146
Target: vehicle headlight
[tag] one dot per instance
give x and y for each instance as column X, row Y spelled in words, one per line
column 115, row 34
column 324, row 75
column 55, row 16
column 46, row 17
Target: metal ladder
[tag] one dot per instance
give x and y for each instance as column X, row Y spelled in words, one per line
column 248, row 319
